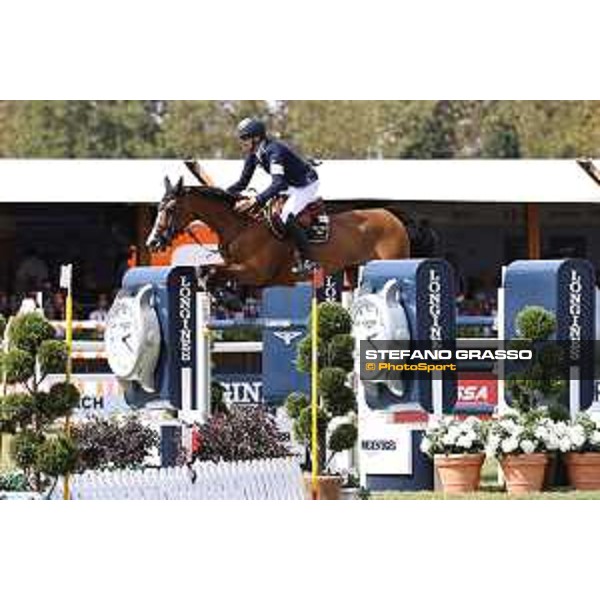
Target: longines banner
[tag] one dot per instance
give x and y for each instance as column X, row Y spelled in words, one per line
column 331, row 290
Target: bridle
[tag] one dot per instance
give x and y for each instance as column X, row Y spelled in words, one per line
column 162, row 236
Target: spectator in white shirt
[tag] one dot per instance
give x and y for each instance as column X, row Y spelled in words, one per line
column 100, row 313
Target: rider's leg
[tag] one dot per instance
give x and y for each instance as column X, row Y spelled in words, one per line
column 298, row 199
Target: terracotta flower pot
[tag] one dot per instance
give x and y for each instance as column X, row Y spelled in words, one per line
column 524, row 473
column 584, row 470
column 328, row 487
column 459, row 473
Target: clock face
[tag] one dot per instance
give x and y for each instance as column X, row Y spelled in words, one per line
column 368, row 319
column 375, row 319
column 122, row 337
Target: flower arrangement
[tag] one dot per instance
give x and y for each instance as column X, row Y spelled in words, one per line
column 583, row 435
column 580, row 441
column 450, row 435
column 517, row 432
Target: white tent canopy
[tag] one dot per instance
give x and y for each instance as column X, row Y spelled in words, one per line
column 141, row 181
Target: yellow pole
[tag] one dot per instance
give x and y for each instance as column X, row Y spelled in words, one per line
column 69, row 342
column 314, row 388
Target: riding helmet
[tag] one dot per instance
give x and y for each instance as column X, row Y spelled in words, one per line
column 249, row 128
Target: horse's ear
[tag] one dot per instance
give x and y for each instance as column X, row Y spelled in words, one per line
column 168, row 186
column 179, row 187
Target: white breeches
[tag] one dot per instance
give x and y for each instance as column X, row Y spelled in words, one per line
column 298, row 199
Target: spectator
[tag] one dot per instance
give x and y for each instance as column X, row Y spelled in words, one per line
column 14, row 303
column 32, row 272
column 4, row 305
column 100, row 313
column 54, row 308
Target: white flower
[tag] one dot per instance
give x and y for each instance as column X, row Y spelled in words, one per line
column 508, row 425
column 527, row 446
column 509, row 445
column 553, row 442
column 464, row 441
column 426, row 445
column 595, row 438
column 565, row 444
column 541, row 432
column 450, row 438
column 576, row 435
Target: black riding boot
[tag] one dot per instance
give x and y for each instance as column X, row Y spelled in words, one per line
column 303, row 264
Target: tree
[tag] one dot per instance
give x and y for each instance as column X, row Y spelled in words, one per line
column 40, row 449
column 206, row 128
column 341, row 129
column 82, row 129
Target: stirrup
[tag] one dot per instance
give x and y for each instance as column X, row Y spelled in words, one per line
column 304, row 267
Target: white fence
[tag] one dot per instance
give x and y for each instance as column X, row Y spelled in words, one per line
column 274, row 479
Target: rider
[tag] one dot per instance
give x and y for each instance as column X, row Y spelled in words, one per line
column 289, row 171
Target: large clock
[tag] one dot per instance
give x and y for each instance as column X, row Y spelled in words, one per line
column 381, row 316
column 132, row 338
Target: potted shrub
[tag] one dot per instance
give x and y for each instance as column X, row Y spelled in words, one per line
column 581, row 443
column 521, row 441
column 41, row 448
column 457, row 447
column 541, row 381
column 336, row 417
column 118, row 442
column 245, row 432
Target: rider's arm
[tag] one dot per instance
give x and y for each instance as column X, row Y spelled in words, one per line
column 244, row 180
column 278, row 183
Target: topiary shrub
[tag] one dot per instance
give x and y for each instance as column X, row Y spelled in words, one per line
column 40, row 450
column 56, row 456
column 28, row 331
column 295, row 403
column 336, row 398
column 541, row 380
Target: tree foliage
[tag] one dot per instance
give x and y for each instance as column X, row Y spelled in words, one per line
column 343, row 129
column 40, row 450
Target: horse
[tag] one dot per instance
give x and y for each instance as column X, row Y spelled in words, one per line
column 254, row 256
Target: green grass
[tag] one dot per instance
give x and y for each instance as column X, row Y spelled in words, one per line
column 490, row 489
column 498, row 494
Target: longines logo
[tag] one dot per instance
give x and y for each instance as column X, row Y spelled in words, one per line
column 575, row 289
column 287, row 337
column 434, row 302
column 185, row 316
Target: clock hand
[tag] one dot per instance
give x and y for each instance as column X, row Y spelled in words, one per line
column 124, row 340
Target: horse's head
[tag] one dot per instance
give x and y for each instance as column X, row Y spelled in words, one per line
column 166, row 225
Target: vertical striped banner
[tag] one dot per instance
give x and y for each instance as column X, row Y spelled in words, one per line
column 314, row 334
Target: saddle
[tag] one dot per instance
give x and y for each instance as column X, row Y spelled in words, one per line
column 313, row 219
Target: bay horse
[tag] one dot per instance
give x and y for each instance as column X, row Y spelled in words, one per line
column 254, row 256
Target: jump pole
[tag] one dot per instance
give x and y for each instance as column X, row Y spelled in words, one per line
column 66, row 282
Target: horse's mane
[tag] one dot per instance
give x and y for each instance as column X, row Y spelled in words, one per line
column 216, row 193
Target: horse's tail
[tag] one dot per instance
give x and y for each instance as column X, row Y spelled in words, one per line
column 424, row 240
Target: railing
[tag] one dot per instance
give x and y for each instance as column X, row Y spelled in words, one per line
column 271, row 479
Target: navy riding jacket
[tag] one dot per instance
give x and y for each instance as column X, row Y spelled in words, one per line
column 286, row 167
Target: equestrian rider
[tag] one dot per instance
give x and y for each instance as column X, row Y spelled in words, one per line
column 289, row 172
